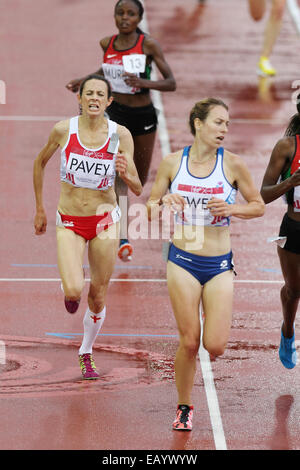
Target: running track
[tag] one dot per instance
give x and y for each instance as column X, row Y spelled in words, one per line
column 247, row 400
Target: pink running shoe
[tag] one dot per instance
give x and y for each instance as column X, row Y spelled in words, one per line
column 87, row 366
column 184, row 417
column 125, row 250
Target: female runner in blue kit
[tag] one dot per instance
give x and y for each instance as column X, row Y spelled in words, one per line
column 282, row 178
column 87, row 209
column 203, row 180
column 132, row 106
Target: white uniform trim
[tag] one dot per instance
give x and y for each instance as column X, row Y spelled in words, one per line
column 197, row 191
column 84, row 167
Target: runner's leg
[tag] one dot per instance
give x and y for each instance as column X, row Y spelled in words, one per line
column 217, row 305
column 257, row 9
column 290, row 292
column 185, row 292
column 70, row 252
column 143, row 150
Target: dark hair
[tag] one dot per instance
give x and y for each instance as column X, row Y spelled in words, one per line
column 201, row 110
column 294, row 124
column 95, row 76
column 140, row 8
column 138, row 4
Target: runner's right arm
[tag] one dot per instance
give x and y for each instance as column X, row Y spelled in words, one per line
column 54, row 141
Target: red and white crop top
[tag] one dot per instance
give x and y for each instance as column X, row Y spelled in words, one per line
column 197, row 191
column 88, row 168
column 113, row 66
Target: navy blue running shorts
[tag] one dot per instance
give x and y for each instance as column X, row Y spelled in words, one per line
column 203, row 268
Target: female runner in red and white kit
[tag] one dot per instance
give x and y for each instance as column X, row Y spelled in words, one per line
column 127, row 65
column 87, row 208
column 203, row 179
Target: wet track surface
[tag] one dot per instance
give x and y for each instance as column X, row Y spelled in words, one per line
column 212, row 52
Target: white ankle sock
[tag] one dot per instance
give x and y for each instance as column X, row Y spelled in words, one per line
column 92, row 323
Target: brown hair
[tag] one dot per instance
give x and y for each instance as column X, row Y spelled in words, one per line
column 201, row 110
column 95, row 76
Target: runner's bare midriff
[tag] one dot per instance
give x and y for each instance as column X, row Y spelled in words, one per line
column 203, row 241
column 85, row 202
column 133, row 101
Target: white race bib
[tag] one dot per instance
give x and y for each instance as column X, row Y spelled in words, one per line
column 297, row 199
column 134, row 63
column 90, row 172
column 114, row 74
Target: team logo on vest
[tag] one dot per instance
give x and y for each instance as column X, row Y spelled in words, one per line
column 68, row 223
column 224, row 264
column 182, row 257
column 218, row 189
column 97, row 154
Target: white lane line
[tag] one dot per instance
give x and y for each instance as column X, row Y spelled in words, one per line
column 2, row 352
column 211, row 396
column 157, row 102
column 237, row 120
column 57, row 279
column 294, row 11
column 162, row 128
column 33, row 118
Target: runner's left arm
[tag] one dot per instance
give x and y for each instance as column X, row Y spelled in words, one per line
column 124, row 162
column 252, row 207
column 167, row 83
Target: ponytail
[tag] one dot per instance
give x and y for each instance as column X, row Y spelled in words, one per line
column 294, row 124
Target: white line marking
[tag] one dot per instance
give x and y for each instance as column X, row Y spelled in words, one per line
column 33, row 118
column 211, row 395
column 295, row 13
column 237, row 120
column 163, row 133
column 2, row 353
column 157, row 103
column 57, row 279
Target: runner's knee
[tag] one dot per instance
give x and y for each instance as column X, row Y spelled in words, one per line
column 191, row 346
column 216, row 348
column 290, row 293
column 277, row 10
column 72, row 291
column 256, row 16
column 257, row 9
column 96, row 298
